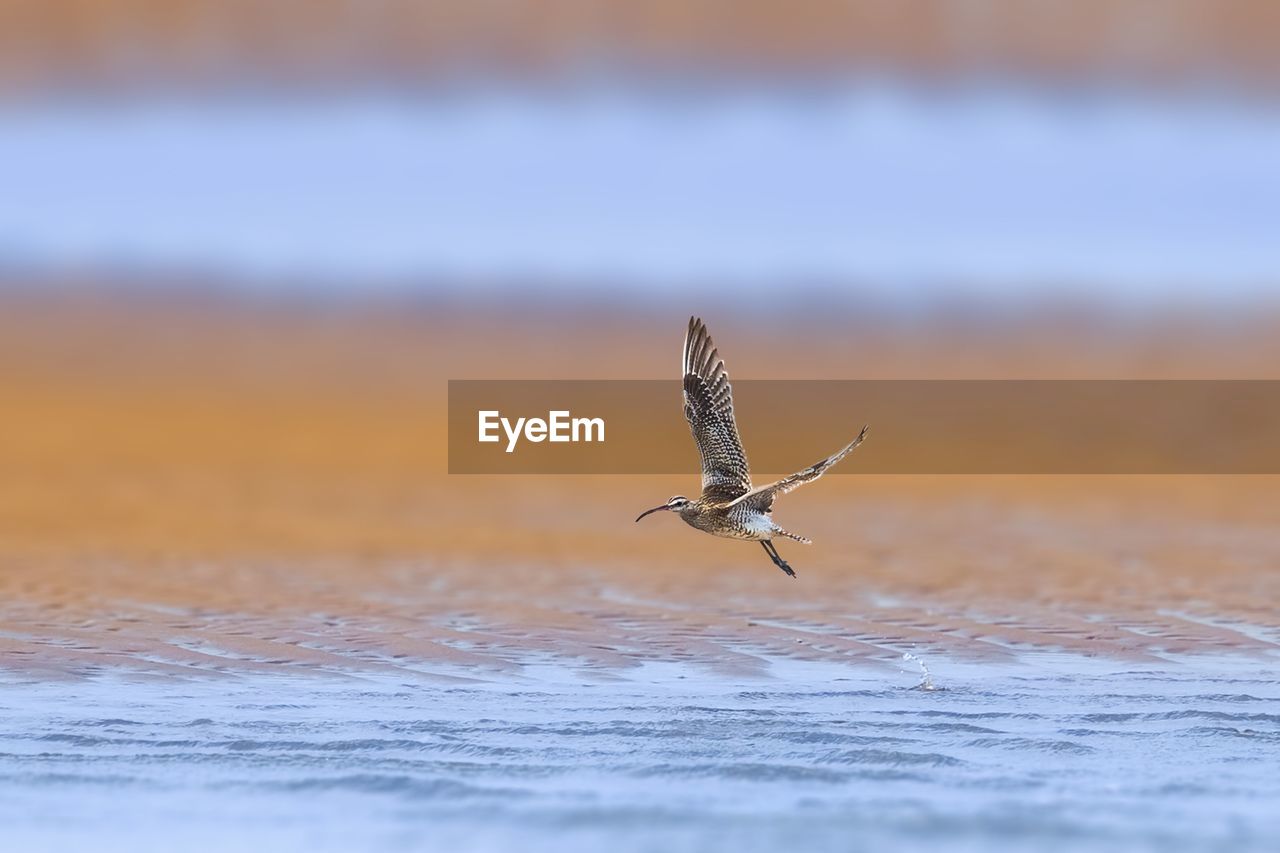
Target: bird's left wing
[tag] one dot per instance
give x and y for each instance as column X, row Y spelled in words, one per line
column 761, row 499
column 708, row 406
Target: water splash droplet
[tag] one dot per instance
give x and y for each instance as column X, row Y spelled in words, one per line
column 926, row 680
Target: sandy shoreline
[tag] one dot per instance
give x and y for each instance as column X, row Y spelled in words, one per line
column 235, row 489
column 243, row 605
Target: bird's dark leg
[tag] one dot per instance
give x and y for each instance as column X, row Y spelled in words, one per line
column 776, row 557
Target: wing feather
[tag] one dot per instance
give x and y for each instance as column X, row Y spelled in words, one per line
column 762, row 498
column 708, row 406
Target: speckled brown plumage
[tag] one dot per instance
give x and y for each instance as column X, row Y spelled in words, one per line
column 729, row 506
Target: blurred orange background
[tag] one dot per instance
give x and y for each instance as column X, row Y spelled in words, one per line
column 198, row 41
column 244, row 246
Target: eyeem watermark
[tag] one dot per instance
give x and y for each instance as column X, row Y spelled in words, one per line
column 559, row 426
column 917, row 426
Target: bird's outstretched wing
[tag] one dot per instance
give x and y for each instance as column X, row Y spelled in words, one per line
column 762, row 498
column 708, row 406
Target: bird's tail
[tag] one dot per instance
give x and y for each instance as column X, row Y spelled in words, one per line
column 778, row 531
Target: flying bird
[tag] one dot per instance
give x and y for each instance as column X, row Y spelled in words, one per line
column 729, row 506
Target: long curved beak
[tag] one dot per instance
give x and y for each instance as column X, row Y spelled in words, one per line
column 655, row 509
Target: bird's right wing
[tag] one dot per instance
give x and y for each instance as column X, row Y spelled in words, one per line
column 708, row 406
column 761, row 499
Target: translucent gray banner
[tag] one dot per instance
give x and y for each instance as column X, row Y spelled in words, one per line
column 917, row 426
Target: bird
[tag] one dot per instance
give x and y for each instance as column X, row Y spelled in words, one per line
column 729, row 506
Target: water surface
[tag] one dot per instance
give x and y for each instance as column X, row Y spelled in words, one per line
column 1059, row 752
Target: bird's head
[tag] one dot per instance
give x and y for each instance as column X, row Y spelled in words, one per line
column 679, row 503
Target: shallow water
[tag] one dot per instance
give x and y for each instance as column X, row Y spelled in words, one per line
column 1056, row 752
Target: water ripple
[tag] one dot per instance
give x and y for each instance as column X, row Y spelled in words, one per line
column 677, row 766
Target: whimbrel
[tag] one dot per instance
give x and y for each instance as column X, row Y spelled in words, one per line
column 729, row 506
